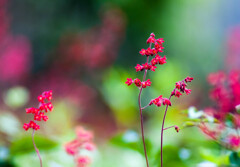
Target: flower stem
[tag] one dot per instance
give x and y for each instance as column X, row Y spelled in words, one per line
column 141, row 117
column 36, row 149
column 145, row 107
column 164, row 117
column 169, row 127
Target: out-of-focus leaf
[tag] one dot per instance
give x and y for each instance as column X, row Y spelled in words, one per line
column 234, row 158
column 229, row 120
column 122, row 99
column 217, row 159
column 170, row 157
column 6, row 164
column 189, row 124
column 16, row 97
column 25, row 145
column 131, row 140
column 194, row 120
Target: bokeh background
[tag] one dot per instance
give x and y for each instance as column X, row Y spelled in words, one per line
column 84, row 51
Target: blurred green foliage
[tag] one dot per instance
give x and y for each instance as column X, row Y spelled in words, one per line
column 24, row 145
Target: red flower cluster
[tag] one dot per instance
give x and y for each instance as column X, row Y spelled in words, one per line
column 179, row 87
column 37, row 112
column 226, row 94
column 157, row 46
column 138, row 82
column 84, row 140
column 159, row 101
column 149, row 65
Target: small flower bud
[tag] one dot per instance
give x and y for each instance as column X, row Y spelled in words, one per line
column 177, row 129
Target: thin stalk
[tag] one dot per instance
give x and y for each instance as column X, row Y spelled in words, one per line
column 164, row 117
column 141, row 117
column 36, row 149
column 169, row 127
column 145, row 107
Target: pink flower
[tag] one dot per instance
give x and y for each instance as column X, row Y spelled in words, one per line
column 139, row 68
column 234, row 141
column 160, row 40
column 137, row 82
column 153, row 68
column 162, row 60
column 83, row 135
column 146, row 83
column 178, row 85
column 82, row 161
column 129, row 81
column 149, row 52
column 26, row 126
column 89, row 146
column 83, row 141
column 167, row 102
column 157, row 101
column 157, row 45
column 187, row 91
column 142, row 52
column 152, row 35
column 154, row 62
column 146, row 66
column 177, row 93
column 188, row 79
column 72, row 147
column 150, row 40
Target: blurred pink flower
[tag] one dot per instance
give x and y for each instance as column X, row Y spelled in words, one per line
column 96, row 48
column 15, row 52
column 226, row 94
column 84, row 140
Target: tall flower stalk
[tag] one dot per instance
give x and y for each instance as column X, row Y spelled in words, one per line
column 151, row 65
column 39, row 116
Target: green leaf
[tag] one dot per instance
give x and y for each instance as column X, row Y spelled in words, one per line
column 25, row 145
column 6, row 164
column 188, row 124
column 234, row 158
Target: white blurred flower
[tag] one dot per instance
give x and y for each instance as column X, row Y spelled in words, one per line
column 206, row 164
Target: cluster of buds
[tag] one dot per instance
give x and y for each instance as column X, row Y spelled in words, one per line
column 138, row 82
column 147, row 66
column 83, row 141
column 159, row 101
column 180, row 86
column 38, row 113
